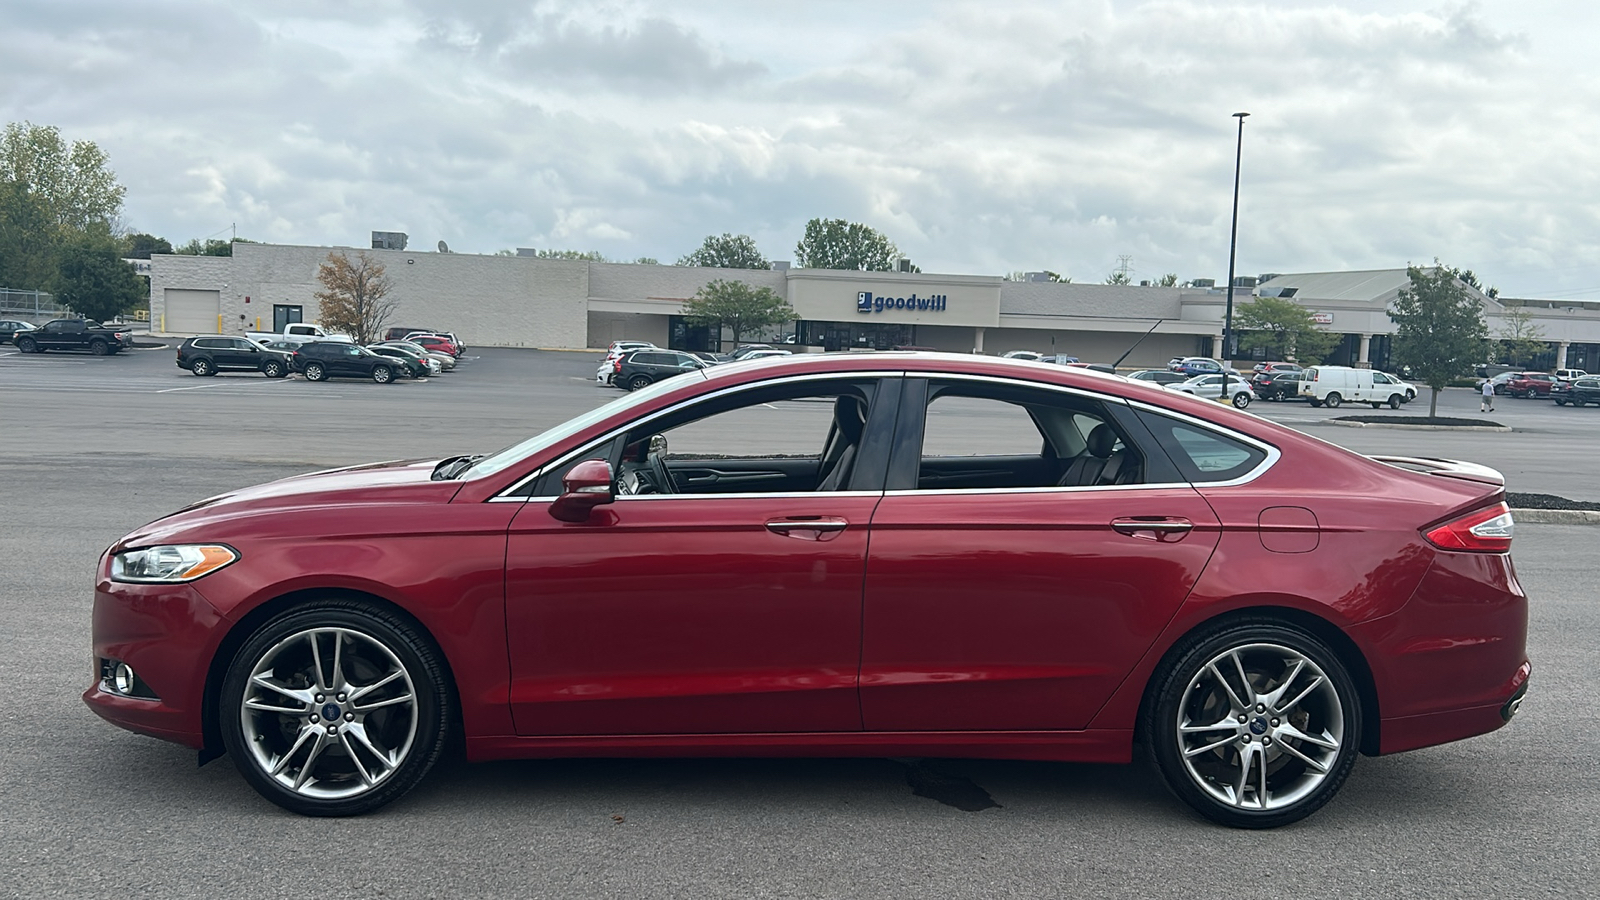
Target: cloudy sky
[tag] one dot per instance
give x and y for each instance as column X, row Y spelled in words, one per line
column 982, row 137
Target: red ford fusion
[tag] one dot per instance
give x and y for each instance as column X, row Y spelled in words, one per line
column 834, row 555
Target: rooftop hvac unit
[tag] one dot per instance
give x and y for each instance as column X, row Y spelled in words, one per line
column 905, row 264
column 388, row 240
column 1203, row 283
column 1244, row 281
column 781, row 265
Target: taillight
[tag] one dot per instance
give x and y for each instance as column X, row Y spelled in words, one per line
column 616, row 366
column 1486, row 530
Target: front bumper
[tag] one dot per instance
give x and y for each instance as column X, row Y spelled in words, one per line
column 167, row 634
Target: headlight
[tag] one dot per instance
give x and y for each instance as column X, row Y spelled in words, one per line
column 171, row 563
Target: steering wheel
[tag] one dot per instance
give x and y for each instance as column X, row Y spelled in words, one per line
column 657, row 461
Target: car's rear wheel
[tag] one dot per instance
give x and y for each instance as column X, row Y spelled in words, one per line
column 335, row 709
column 315, row 372
column 1241, row 400
column 1315, row 402
column 638, row 381
column 1333, row 400
column 1255, row 724
column 99, row 348
column 274, row 370
column 382, row 374
column 202, row 367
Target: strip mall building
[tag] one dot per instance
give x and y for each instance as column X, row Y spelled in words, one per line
column 523, row 301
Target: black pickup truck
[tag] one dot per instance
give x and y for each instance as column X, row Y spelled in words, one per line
column 75, row 334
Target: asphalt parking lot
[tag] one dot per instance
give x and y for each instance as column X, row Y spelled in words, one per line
column 92, row 447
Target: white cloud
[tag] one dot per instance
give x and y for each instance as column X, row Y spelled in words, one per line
column 981, row 136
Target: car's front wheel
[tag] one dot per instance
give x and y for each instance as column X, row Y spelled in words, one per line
column 27, row 345
column 382, row 374
column 1255, row 724
column 335, row 709
column 274, row 369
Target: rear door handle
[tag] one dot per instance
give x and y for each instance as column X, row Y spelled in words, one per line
column 809, row 528
column 1153, row 528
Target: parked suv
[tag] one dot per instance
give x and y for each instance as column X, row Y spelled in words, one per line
column 337, row 359
column 1579, row 392
column 210, row 354
column 642, row 367
column 1528, row 384
column 1277, row 385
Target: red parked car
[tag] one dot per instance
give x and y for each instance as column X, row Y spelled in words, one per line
column 1530, row 384
column 435, row 343
column 1060, row 562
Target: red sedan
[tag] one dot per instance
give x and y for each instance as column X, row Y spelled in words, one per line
column 875, row 555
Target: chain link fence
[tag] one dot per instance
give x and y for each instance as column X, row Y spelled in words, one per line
column 33, row 306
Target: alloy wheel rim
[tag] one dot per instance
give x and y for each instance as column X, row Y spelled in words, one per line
column 329, row 713
column 1260, row 727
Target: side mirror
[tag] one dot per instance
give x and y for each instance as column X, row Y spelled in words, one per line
column 587, row 485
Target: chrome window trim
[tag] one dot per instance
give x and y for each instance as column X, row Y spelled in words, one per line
column 1052, row 489
column 1273, row 454
column 732, row 389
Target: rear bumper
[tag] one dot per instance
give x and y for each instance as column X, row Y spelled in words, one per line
column 1453, row 661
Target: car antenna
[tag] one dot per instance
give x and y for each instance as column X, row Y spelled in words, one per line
column 1137, row 343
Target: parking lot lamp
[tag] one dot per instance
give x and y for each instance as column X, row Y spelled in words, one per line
column 1233, row 246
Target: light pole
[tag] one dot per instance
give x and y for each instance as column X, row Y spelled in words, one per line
column 1233, row 245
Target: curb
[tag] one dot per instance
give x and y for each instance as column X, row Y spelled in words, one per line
column 1556, row 516
column 1499, row 428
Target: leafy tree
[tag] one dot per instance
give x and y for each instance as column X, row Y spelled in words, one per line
column 28, row 239
column 647, row 261
column 1118, row 278
column 727, row 251
column 354, row 298
column 837, row 244
column 591, row 255
column 1439, row 328
column 93, row 280
column 141, row 246
column 1049, row 276
column 738, row 307
column 1471, row 279
column 1273, row 323
column 72, row 180
column 211, row 247
column 1168, row 280
column 1520, row 336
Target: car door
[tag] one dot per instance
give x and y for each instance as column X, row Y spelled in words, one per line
column 1021, row 607
column 670, row 612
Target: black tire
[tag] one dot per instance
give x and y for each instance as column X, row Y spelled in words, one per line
column 1578, row 401
column 1374, row 404
column 1395, row 401
column 315, row 372
column 99, row 348
column 638, row 381
column 1560, row 402
column 346, row 776
column 202, row 367
column 382, row 374
column 274, row 369
column 1185, row 689
column 27, row 345
column 1315, row 402
column 1333, row 400
column 1241, row 400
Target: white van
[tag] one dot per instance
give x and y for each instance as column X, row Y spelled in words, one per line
column 1335, row 385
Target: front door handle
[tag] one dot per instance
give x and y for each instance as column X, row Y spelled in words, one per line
column 1153, row 528
column 809, row 528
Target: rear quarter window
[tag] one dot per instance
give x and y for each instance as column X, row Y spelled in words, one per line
column 1202, row 454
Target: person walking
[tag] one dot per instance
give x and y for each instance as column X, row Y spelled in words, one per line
column 1487, row 405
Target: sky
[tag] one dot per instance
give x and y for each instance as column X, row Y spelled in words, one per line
column 981, row 137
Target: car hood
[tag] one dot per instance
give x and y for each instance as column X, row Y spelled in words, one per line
column 392, row 482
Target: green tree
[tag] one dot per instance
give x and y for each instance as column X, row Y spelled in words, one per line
column 1049, row 276
column 210, row 247
column 28, row 239
column 1520, row 336
column 1273, row 323
column 141, row 246
column 1168, row 280
column 738, row 307
column 837, row 244
column 647, row 261
column 727, row 251
column 1118, row 278
column 354, row 295
column 1439, row 328
column 93, row 280
column 1472, row 280
column 591, row 255
column 72, row 180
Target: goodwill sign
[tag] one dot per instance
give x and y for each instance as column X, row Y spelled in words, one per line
column 866, row 302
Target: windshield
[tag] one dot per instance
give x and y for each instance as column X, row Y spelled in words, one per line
column 517, row 452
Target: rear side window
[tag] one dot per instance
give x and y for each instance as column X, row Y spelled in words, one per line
column 1202, row 454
